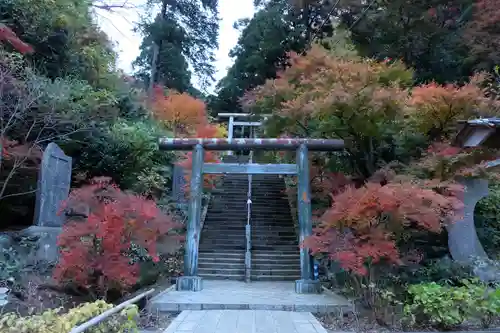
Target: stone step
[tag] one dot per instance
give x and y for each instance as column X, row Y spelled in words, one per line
column 256, row 260
column 264, row 262
column 255, row 247
column 238, row 295
column 210, row 231
column 256, row 226
column 276, row 271
column 211, row 263
column 242, row 240
column 277, row 248
column 258, row 236
column 235, row 277
column 254, row 277
column 273, row 255
column 255, row 232
column 255, row 272
column 230, row 271
column 256, row 221
column 273, row 252
column 241, row 223
column 221, row 254
column 222, row 246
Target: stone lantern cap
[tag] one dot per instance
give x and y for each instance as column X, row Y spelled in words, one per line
column 479, row 132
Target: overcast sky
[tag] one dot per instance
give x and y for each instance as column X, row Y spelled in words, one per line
column 119, row 27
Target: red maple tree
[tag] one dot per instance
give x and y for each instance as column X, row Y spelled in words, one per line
column 361, row 227
column 95, row 254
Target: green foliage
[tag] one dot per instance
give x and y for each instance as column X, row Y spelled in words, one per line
column 172, row 68
column 487, row 218
column 485, row 303
column 441, row 271
column 55, row 320
column 429, row 38
column 445, row 306
column 67, row 42
column 187, row 33
column 128, row 152
column 15, row 261
column 441, row 306
column 261, row 52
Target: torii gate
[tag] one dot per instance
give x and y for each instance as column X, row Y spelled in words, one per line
column 233, row 122
column 190, row 280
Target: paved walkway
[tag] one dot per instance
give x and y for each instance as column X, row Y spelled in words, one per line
column 236, row 295
column 245, row 321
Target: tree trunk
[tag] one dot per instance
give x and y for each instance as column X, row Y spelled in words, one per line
column 156, row 51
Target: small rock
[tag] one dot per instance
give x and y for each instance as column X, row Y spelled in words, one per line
column 5, row 241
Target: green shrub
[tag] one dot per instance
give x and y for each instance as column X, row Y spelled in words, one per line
column 445, row 306
column 128, row 153
column 487, row 220
column 485, row 303
column 52, row 321
column 442, row 271
column 439, row 306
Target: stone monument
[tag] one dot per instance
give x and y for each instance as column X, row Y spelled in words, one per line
column 54, row 183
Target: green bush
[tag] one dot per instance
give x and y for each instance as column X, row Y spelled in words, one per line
column 128, row 153
column 52, row 321
column 442, row 271
column 485, row 302
column 445, row 306
column 487, row 220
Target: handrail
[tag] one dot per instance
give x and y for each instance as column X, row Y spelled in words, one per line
column 96, row 320
column 248, row 229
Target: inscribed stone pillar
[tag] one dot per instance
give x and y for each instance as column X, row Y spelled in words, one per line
column 53, row 186
column 54, row 181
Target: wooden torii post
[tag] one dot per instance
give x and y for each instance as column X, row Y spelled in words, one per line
column 190, row 280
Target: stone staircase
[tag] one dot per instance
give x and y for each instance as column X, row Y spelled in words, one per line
column 275, row 251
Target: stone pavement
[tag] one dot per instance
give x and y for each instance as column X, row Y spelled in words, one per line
column 244, row 321
column 236, row 295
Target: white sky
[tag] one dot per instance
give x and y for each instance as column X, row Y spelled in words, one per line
column 119, row 27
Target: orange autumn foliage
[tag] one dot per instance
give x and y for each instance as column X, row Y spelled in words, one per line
column 187, row 117
column 445, row 162
column 180, row 111
column 435, row 109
